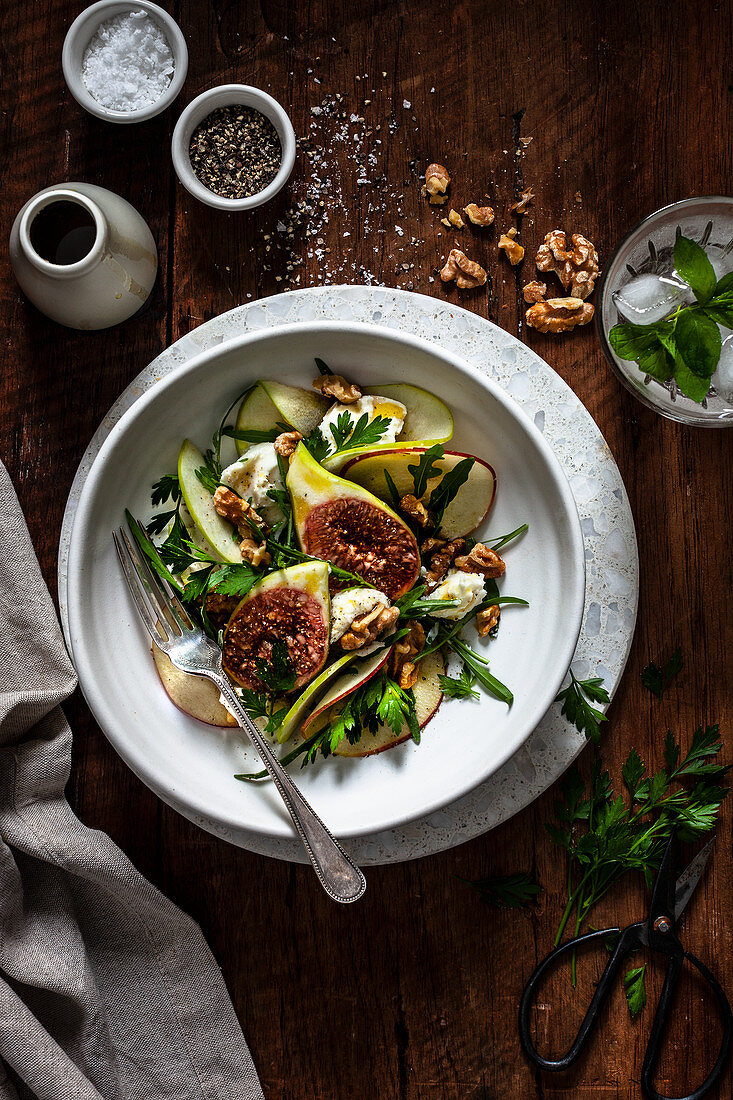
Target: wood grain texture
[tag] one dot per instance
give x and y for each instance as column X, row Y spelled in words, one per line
column 411, row 995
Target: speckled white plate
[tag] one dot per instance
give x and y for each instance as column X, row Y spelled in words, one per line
column 610, row 546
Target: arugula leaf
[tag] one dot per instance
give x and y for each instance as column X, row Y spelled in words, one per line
column 460, row 688
column 576, row 708
column 695, row 268
column 698, row 343
column 392, row 489
column 152, row 556
column 658, row 679
column 168, row 486
column 479, row 666
column 502, row 540
column 253, row 435
column 505, row 891
column 426, row 469
column 322, row 368
column 447, row 488
column 635, row 989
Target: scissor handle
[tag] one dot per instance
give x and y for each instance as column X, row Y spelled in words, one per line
column 627, row 941
column 674, row 969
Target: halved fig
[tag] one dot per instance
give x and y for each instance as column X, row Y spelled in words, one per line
column 428, row 697
column 340, row 522
column 290, row 605
column 195, row 695
column 346, row 684
column 268, row 404
column 428, row 421
column 466, row 511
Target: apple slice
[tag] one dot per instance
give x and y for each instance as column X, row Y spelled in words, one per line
column 308, row 697
column 466, row 511
column 428, row 421
column 343, row 687
column 268, row 404
column 218, row 535
column 428, row 697
column 195, row 695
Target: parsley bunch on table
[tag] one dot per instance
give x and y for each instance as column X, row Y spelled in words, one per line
column 686, row 345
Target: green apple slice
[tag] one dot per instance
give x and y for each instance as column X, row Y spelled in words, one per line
column 428, row 697
column 307, row 700
column 428, row 421
column 344, row 687
column 218, row 535
column 269, row 404
column 466, row 511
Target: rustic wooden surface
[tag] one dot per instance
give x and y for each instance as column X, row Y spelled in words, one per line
column 413, row 993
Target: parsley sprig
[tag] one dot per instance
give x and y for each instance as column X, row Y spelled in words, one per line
column 460, row 687
column 505, row 891
column 635, row 989
column 347, row 435
column 658, row 679
column 577, row 709
column 686, row 345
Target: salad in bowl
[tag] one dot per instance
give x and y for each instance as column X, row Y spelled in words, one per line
column 334, row 562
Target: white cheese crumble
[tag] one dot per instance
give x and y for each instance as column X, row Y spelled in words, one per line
column 128, row 63
column 466, row 587
column 253, row 475
column 351, row 604
column 374, row 406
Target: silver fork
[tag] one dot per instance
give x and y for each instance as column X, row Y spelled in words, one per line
column 190, row 650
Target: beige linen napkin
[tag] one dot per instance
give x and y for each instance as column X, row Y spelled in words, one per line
column 107, row 990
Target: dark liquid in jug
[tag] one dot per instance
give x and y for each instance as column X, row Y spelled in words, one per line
column 63, row 233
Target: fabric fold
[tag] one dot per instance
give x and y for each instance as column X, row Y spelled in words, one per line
column 107, row 990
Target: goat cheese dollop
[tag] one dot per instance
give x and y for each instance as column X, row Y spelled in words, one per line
column 373, row 405
column 351, row 604
column 253, row 475
column 457, row 585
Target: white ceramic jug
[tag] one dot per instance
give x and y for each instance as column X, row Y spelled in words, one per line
column 87, row 265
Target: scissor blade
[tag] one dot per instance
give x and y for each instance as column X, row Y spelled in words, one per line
column 688, row 880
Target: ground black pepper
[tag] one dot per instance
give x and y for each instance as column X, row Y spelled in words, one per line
column 235, row 152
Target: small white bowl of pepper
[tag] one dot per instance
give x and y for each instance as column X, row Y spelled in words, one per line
column 233, row 147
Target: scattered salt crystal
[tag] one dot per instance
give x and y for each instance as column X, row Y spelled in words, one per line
column 406, row 104
column 128, row 63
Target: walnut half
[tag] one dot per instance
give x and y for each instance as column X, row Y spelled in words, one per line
column 436, row 183
column 559, row 314
column 286, row 443
column 534, row 292
column 514, row 250
column 481, row 559
column 239, row 512
column 333, row 385
column 576, row 268
column 368, row 627
column 479, row 215
column 467, row 274
column 487, row 619
column 415, row 509
column 402, row 664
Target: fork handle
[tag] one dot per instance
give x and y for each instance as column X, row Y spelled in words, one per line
column 338, row 874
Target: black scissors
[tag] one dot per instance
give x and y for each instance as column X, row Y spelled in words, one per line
column 669, row 898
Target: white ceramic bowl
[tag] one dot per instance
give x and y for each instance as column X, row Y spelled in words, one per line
column 227, row 95
column 190, row 765
column 81, row 32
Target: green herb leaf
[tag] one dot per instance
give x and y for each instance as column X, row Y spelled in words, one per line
column 635, row 990
column 460, row 688
column 234, row 580
column 426, row 469
column 367, row 433
column 698, row 343
column 210, row 473
column 631, row 341
column 197, row 584
column 158, row 523
column 447, row 488
column 658, row 679
column 277, row 674
column 690, row 384
column 479, row 666
column 252, row 435
column 322, row 367
column 317, row 445
column 577, row 710
column 695, row 268
column 166, row 486
column 506, row 891
column 150, row 552
column 392, row 489
column 497, row 542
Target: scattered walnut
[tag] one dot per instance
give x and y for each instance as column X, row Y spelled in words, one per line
column 481, row 559
column 559, row 314
column 254, row 552
column 286, row 443
column 436, row 183
column 468, row 275
column 513, row 249
column 368, row 627
column 441, row 561
column 576, row 268
column 402, row 665
column 534, row 291
column 455, row 219
column 525, row 198
column 415, row 509
column 333, row 385
column 487, row 619
column 479, row 215
column 238, row 511
column 431, row 545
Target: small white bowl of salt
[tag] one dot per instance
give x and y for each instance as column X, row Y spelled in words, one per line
column 124, row 62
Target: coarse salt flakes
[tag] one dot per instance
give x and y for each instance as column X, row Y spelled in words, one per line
column 128, row 63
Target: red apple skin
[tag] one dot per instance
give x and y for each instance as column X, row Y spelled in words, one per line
column 306, row 729
column 421, row 450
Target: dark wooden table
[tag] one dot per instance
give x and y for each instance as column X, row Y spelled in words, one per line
column 413, row 993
